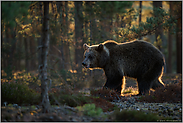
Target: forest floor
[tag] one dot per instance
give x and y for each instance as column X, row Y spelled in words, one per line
column 127, row 101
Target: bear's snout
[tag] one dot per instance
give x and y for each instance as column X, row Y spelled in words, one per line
column 86, row 64
column 83, row 63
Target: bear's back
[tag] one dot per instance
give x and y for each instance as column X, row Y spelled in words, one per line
column 110, row 44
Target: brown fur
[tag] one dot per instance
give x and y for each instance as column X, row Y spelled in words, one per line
column 137, row 59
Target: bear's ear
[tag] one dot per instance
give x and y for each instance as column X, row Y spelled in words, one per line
column 100, row 47
column 85, row 46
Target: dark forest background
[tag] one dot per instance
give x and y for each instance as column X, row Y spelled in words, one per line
column 71, row 24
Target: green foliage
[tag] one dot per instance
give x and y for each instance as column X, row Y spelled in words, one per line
column 101, row 15
column 158, row 42
column 13, row 92
column 108, row 8
column 90, row 110
column 112, row 7
column 147, row 28
column 72, row 100
column 16, row 89
column 12, row 10
column 135, row 116
column 8, row 72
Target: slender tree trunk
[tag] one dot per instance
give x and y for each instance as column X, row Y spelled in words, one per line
column 78, row 34
column 10, row 41
column 39, row 31
column 103, row 30
column 61, row 46
column 169, row 62
column 140, row 15
column 3, row 65
column 94, row 29
column 159, row 30
column 18, row 52
column 7, row 49
column 32, row 53
column 93, row 26
column 13, row 49
column 66, row 43
column 179, row 40
column 26, row 54
column 43, row 65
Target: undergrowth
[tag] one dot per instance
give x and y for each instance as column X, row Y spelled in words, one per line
column 77, row 99
column 136, row 116
column 13, row 92
column 90, row 110
column 106, row 94
column 70, row 100
column 171, row 93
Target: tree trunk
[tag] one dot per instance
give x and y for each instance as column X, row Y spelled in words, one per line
column 43, row 65
column 159, row 30
column 3, row 65
column 140, row 15
column 10, row 37
column 19, row 45
column 32, row 53
column 66, row 43
column 179, row 39
column 92, row 26
column 13, row 49
column 78, row 35
column 61, row 64
column 26, row 54
column 169, row 62
column 7, row 50
column 39, row 31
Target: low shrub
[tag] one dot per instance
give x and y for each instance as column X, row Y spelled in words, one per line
column 90, row 110
column 77, row 99
column 171, row 93
column 103, row 104
column 133, row 115
column 72, row 100
column 106, row 94
column 13, row 92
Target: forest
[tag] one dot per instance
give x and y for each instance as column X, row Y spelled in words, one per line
column 42, row 53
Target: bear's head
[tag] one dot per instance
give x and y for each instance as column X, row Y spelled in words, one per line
column 95, row 56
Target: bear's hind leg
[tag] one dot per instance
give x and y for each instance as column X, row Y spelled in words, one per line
column 157, row 83
column 146, row 81
column 118, row 89
column 143, row 85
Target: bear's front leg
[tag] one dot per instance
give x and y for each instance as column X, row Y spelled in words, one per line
column 114, row 83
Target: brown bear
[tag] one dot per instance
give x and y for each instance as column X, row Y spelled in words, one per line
column 137, row 59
